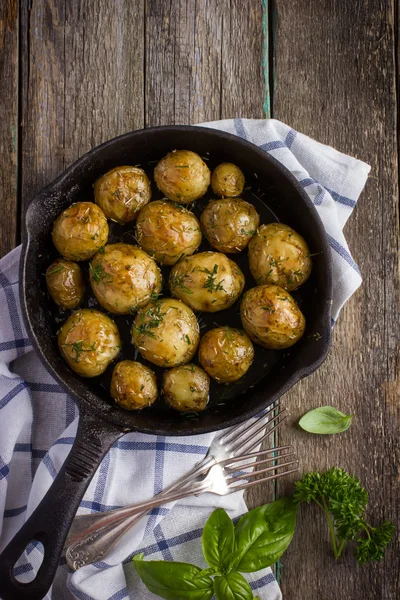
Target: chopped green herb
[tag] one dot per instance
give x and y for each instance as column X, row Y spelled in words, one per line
column 117, row 195
column 79, row 347
column 177, row 281
column 210, row 283
column 98, row 274
column 155, row 318
column 269, row 308
column 55, row 270
column 228, row 334
column 187, row 338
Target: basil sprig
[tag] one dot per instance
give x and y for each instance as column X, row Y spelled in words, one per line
column 325, row 420
column 258, row 540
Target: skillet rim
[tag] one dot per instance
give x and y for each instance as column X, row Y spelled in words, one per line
column 105, row 412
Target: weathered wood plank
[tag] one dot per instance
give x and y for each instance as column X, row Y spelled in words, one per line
column 335, row 80
column 83, row 81
column 203, row 61
column 9, row 23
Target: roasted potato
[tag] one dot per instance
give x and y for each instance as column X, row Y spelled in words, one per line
column 182, row 176
column 122, row 192
column 271, row 317
column 227, row 180
column 186, row 388
column 208, row 281
column 226, row 354
column 80, row 231
column 229, row 223
column 124, row 278
column 88, row 342
column 133, row 385
column 166, row 332
column 167, row 231
column 279, row 255
column 65, row 283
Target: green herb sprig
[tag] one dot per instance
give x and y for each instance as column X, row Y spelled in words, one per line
column 343, row 500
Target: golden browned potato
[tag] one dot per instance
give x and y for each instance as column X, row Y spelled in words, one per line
column 124, row 278
column 167, row 231
column 227, row 180
column 186, row 388
column 133, row 385
column 229, row 224
column 80, row 231
column 226, row 354
column 166, row 332
column 208, row 281
column 88, row 342
column 271, row 317
column 279, row 255
column 122, row 192
column 65, row 283
column 182, row 176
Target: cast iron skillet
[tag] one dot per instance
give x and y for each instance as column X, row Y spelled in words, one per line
column 277, row 196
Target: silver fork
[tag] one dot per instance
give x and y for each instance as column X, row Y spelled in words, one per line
column 225, row 477
column 240, row 439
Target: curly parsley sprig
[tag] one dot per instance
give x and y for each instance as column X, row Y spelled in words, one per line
column 344, row 501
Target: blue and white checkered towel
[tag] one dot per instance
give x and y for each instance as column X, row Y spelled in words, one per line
column 38, row 420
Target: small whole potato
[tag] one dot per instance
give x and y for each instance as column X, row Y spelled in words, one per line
column 279, row 255
column 133, row 385
column 122, row 192
column 186, row 388
column 80, row 231
column 167, row 231
column 226, row 354
column 124, row 278
column 229, row 223
column 271, row 317
column 65, row 283
column 227, row 180
column 166, row 332
column 207, row 281
column 182, row 176
column 89, row 341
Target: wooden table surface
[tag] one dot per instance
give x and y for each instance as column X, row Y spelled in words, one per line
column 74, row 74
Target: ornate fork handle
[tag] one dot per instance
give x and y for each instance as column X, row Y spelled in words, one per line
column 85, row 525
column 99, row 542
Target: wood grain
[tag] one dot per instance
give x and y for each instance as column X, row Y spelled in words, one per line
column 83, row 81
column 9, row 23
column 203, row 61
column 335, row 81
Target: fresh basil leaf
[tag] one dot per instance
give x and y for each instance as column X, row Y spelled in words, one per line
column 263, row 534
column 325, row 420
column 174, row 580
column 232, row 587
column 218, row 539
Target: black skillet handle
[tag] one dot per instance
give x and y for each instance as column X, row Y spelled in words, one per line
column 52, row 518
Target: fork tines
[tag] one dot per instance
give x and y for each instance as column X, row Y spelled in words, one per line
column 251, row 435
column 279, row 460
